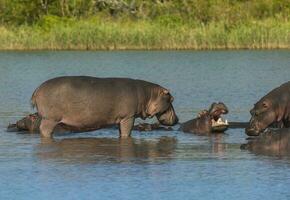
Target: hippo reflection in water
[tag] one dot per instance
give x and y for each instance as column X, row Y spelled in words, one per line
column 273, row 142
column 91, row 150
column 108, row 150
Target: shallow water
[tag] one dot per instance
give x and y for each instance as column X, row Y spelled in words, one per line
column 151, row 165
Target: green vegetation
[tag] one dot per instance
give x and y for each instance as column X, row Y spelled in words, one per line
column 141, row 24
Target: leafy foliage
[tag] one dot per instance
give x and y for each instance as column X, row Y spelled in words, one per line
column 200, row 11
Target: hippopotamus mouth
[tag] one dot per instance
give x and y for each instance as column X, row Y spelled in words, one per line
column 218, row 123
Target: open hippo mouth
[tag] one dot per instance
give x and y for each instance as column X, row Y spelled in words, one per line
column 218, row 123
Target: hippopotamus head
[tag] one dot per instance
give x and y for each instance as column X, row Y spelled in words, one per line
column 160, row 105
column 168, row 118
column 215, row 111
column 28, row 123
column 264, row 114
column 272, row 110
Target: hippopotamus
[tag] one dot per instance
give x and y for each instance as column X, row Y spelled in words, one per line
column 31, row 124
column 272, row 110
column 207, row 121
column 273, row 142
column 90, row 103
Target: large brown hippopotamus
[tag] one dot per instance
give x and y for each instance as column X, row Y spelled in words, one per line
column 273, row 142
column 207, row 121
column 272, row 110
column 90, row 103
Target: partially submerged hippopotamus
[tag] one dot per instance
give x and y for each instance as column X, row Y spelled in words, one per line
column 272, row 110
column 207, row 121
column 31, row 123
column 90, row 103
column 273, row 142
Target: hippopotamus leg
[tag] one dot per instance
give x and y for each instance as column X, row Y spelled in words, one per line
column 46, row 127
column 126, row 126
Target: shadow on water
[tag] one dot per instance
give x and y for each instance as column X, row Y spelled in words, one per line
column 95, row 150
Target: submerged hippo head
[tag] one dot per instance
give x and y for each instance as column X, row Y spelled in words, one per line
column 168, row 118
column 29, row 123
column 264, row 114
column 215, row 111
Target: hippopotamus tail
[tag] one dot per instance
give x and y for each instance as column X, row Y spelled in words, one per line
column 33, row 99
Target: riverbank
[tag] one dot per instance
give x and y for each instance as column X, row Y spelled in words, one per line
column 98, row 34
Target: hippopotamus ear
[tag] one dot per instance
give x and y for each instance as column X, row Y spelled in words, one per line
column 171, row 99
column 165, row 91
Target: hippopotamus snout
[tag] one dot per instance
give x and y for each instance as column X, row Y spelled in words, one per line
column 168, row 118
column 252, row 131
column 169, row 122
column 22, row 124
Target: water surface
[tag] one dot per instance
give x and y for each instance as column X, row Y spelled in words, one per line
column 152, row 165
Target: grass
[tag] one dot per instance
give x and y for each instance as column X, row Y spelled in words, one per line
column 96, row 34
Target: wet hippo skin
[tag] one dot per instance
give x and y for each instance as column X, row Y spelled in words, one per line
column 272, row 110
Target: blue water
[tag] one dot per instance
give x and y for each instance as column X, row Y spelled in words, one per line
column 151, row 165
